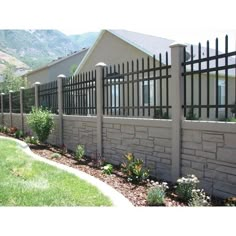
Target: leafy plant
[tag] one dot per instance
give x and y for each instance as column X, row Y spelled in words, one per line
column 159, row 114
column 199, row 198
column 230, row 201
column 185, row 185
column 191, row 115
column 41, row 122
column 97, row 160
column 107, row 169
column 5, row 130
column 12, row 130
column 156, row 195
column 19, row 134
column 133, row 168
column 63, row 150
column 31, row 139
column 1, row 129
column 79, row 152
column 56, row 155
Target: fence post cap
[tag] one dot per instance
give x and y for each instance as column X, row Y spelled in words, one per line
column 37, row 83
column 10, row 91
column 100, row 64
column 178, row 44
column 22, row 88
column 2, row 93
column 61, row 76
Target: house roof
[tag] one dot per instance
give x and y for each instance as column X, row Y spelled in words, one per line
column 153, row 45
column 58, row 60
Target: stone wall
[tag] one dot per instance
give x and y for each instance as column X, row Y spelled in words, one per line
column 16, row 121
column 149, row 140
column 80, row 130
column 209, row 152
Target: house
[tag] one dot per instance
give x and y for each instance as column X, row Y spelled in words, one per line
column 119, row 46
column 49, row 72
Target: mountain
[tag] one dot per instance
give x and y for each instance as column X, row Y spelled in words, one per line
column 35, row 48
column 84, row 40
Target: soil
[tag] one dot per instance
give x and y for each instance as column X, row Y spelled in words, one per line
column 136, row 193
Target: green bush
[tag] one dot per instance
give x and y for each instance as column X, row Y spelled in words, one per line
column 79, row 152
column 19, row 134
column 156, row 195
column 41, row 122
column 31, row 139
column 56, row 155
column 185, row 185
column 133, row 168
column 199, row 198
column 107, row 169
column 230, row 201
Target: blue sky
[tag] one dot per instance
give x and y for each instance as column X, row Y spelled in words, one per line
column 183, row 20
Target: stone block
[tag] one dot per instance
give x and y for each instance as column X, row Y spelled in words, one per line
column 192, row 145
column 227, row 155
column 128, row 129
column 192, row 135
column 129, row 136
column 168, row 150
column 188, row 151
column 159, row 148
column 141, row 135
column 106, row 125
column 116, row 126
column 146, row 143
column 225, row 187
column 213, row 137
column 189, row 171
column 186, row 163
column 141, row 129
column 162, row 142
column 166, row 161
column 198, row 165
column 209, row 146
column 232, row 178
column 209, row 155
column 113, row 135
column 159, row 132
column 230, row 140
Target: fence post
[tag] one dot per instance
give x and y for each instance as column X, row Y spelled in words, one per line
column 176, row 91
column 60, row 107
column 37, row 84
column 10, row 106
column 2, row 108
column 22, row 107
column 99, row 91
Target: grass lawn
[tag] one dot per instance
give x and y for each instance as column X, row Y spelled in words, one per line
column 27, row 182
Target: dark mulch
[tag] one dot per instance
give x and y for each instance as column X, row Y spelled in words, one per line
column 137, row 194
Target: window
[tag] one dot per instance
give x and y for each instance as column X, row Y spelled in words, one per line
column 145, row 94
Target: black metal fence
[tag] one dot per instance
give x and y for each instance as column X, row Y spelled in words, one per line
column 209, row 82
column 28, row 99
column 15, row 99
column 138, row 89
column 79, row 94
column 48, row 96
column 6, row 107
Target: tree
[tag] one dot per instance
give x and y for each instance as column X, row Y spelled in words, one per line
column 11, row 82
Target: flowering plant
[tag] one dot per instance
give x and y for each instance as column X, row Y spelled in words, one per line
column 199, row 198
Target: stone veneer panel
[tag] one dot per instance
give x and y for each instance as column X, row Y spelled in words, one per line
column 212, row 157
column 149, row 140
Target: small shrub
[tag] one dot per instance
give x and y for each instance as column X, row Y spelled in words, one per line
column 41, row 122
column 1, row 129
column 32, row 140
column 56, row 155
column 12, row 130
column 230, row 201
column 159, row 114
column 185, row 185
column 191, row 115
column 156, row 195
column 133, row 168
column 5, row 130
column 79, row 152
column 63, row 150
column 97, row 160
column 107, row 169
column 199, row 198
column 19, row 134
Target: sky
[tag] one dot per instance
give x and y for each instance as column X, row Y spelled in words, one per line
column 185, row 21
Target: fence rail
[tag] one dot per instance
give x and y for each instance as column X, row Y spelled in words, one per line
column 137, row 89
column 79, row 94
column 210, row 82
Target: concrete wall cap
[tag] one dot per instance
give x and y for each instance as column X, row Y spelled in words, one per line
column 178, row 44
column 37, row 83
column 102, row 64
column 61, row 76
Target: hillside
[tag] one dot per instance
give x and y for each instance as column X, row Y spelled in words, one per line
column 35, row 48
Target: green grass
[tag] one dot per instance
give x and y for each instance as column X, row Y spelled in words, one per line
column 27, row 182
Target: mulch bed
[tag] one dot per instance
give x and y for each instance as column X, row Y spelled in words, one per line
column 137, row 194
